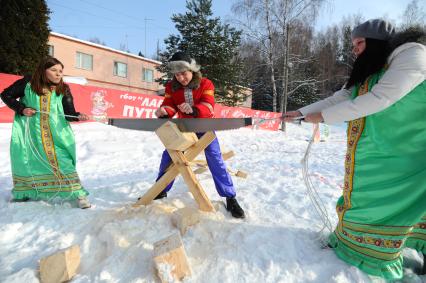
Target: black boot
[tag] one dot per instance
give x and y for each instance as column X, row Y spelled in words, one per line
column 25, row 199
column 161, row 195
column 423, row 271
column 233, row 207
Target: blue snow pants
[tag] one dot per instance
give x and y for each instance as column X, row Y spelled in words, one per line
column 221, row 177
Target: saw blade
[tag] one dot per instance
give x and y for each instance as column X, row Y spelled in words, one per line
column 196, row 125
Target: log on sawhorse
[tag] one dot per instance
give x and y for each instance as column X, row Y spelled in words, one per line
column 182, row 148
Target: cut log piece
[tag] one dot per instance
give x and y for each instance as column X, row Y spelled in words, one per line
column 184, row 218
column 170, row 259
column 61, row 266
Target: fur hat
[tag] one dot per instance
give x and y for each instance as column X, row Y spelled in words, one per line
column 181, row 62
column 375, row 29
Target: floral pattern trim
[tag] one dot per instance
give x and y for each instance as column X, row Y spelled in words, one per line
column 419, row 231
column 46, row 183
column 355, row 129
column 43, row 177
column 421, row 225
column 367, row 251
column 46, row 134
column 374, row 241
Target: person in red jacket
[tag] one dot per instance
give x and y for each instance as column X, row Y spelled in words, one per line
column 189, row 95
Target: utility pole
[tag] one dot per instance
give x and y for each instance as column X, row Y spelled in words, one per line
column 145, row 20
column 158, row 50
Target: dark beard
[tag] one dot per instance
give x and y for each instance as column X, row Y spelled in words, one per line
column 372, row 60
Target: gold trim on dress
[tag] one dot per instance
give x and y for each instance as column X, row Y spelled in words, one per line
column 368, row 251
column 355, row 129
column 46, row 133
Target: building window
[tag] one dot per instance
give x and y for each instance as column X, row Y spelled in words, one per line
column 120, row 69
column 51, row 53
column 84, row 61
column 147, row 75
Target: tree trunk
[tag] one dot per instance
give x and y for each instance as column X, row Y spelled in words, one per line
column 270, row 57
column 283, row 106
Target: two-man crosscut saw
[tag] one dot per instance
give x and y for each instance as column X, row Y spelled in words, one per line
column 196, row 125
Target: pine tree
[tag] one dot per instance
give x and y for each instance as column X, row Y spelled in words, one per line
column 24, row 34
column 213, row 45
column 346, row 50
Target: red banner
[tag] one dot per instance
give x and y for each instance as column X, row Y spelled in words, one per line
column 6, row 115
column 102, row 103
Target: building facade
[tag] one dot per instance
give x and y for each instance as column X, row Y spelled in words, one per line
column 103, row 66
column 106, row 67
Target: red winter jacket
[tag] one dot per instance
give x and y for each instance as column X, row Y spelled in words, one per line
column 203, row 97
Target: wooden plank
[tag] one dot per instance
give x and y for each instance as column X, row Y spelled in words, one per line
column 200, row 170
column 202, row 143
column 241, row 174
column 228, row 155
column 158, row 187
column 199, row 146
column 189, row 177
column 172, row 170
column 203, row 163
column 238, row 173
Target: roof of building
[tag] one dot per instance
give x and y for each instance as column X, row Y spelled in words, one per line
column 104, row 47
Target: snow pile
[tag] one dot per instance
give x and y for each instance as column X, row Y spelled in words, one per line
column 277, row 242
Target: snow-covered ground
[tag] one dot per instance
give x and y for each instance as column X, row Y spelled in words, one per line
column 279, row 241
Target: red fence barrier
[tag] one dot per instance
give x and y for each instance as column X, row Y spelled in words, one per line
column 101, row 103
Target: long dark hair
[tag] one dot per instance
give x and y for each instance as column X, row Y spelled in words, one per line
column 372, row 60
column 39, row 81
column 410, row 34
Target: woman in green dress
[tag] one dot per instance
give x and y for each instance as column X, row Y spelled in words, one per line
column 42, row 149
column 383, row 207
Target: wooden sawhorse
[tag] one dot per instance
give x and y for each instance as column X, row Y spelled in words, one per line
column 182, row 148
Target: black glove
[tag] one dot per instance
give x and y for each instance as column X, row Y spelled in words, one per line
column 195, row 111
